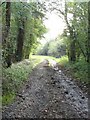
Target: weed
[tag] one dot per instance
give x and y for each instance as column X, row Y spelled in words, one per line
column 13, row 78
column 63, row 60
column 78, row 69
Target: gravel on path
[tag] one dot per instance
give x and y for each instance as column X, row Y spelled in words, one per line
column 48, row 93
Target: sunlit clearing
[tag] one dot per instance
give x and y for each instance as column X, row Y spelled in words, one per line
column 55, row 26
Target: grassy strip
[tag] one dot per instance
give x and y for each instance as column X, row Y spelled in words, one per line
column 41, row 58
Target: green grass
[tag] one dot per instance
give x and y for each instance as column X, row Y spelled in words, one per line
column 63, row 60
column 78, row 69
column 8, row 98
column 40, row 58
column 14, row 77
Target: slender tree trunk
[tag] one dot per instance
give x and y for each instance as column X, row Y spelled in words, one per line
column 20, row 41
column 5, row 41
column 27, row 49
column 82, row 51
column 88, row 41
column 7, row 25
column 72, row 49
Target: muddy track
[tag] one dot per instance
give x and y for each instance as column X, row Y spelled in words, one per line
column 48, row 94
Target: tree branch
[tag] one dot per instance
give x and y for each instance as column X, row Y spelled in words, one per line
column 2, row 3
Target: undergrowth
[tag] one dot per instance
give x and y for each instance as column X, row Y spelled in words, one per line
column 78, row 69
column 14, row 77
column 63, row 60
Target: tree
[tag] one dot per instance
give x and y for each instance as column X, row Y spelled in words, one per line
column 76, row 25
column 34, row 31
column 21, row 29
column 44, row 49
column 88, row 41
column 55, row 48
column 21, row 32
column 5, row 37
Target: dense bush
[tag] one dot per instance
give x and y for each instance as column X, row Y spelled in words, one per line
column 80, row 70
column 13, row 78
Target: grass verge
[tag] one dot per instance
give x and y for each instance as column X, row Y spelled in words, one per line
column 13, row 78
column 78, row 69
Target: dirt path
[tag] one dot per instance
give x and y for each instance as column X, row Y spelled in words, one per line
column 48, row 94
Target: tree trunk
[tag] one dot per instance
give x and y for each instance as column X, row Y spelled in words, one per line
column 7, row 25
column 72, row 49
column 88, row 41
column 5, row 41
column 20, row 41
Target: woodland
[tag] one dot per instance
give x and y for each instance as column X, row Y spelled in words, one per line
column 23, row 27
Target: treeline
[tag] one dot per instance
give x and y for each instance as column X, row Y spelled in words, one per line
column 22, row 25
column 75, row 15
column 55, row 48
